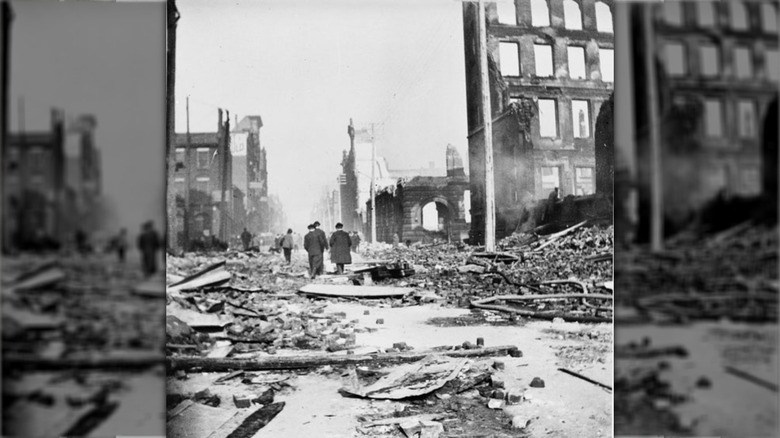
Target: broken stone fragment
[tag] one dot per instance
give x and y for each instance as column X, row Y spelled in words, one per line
column 431, row 429
column 703, row 383
column 520, row 422
column 266, row 398
column 380, row 321
column 495, row 403
column 401, row 346
column 537, row 383
column 468, row 345
column 515, row 352
column 480, row 342
column 514, row 397
column 498, row 394
column 496, row 382
column 499, row 365
column 366, row 312
column 242, row 401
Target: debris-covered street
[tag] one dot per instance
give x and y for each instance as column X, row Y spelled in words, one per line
column 82, row 347
column 697, row 335
column 394, row 347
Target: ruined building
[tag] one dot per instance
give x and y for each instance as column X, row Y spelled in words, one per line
column 51, row 183
column 550, row 71
column 718, row 69
column 206, row 166
column 250, row 174
column 423, row 208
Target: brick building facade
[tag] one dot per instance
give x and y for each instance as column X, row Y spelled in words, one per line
column 550, row 71
column 718, row 72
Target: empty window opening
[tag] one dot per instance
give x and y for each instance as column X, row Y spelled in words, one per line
column 576, row 62
column 509, row 59
column 543, row 60
column 580, row 118
column 548, row 119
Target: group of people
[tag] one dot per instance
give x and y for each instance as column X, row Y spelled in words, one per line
column 316, row 243
column 149, row 243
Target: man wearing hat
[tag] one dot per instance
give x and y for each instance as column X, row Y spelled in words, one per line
column 315, row 245
column 340, row 245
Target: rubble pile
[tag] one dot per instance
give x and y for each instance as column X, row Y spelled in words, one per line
column 73, row 332
column 730, row 265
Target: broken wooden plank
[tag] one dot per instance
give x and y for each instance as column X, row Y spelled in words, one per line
column 334, row 290
column 554, row 237
column 135, row 361
column 298, row 362
column 46, row 277
column 255, row 421
column 413, row 380
column 585, row 378
column 229, row 376
column 210, row 276
column 181, row 407
column 200, row 421
column 410, row 418
column 91, row 420
column 751, row 378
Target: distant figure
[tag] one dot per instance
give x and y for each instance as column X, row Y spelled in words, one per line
column 315, row 245
column 246, row 239
column 408, row 243
column 340, row 244
column 81, row 241
column 550, row 207
column 356, row 241
column 297, row 242
column 287, row 245
column 121, row 245
column 149, row 243
column 396, row 240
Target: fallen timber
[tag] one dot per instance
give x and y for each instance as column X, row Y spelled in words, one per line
column 549, row 315
column 187, row 363
column 126, row 362
column 750, row 306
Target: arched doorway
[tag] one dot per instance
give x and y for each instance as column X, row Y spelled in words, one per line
column 436, row 219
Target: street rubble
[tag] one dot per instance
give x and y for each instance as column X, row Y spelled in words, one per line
column 698, row 334
column 82, row 347
column 427, row 341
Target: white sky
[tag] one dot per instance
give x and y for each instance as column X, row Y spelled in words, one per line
column 306, row 67
column 106, row 59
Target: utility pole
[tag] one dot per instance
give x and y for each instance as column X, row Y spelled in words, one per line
column 656, row 181
column 187, row 180
column 170, row 146
column 487, row 116
column 6, row 17
column 223, row 216
column 373, row 189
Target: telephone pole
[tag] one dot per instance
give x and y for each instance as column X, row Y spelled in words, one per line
column 373, row 182
column 487, row 116
column 223, row 216
column 187, row 181
column 170, row 146
column 656, row 181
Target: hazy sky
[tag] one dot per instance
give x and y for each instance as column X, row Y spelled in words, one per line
column 107, row 59
column 306, row 67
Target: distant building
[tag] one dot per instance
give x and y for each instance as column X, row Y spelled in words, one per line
column 250, row 172
column 51, row 183
column 718, row 72
column 550, row 71
column 206, row 165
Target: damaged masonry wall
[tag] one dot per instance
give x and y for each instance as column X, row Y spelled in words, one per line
column 400, row 208
column 536, row 161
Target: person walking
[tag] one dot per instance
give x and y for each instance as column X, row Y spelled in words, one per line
column 315, row 248
column 149, row 243
column 121, row 245
column 340, row 245
column 550, row 207
column 356, row 241
column 246, row 239
column 287, row 245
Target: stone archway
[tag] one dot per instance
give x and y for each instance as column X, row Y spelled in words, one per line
column 434, row 216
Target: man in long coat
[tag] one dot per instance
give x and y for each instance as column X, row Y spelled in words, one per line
column 340, row 245
column 149, row 243
column 315, row 245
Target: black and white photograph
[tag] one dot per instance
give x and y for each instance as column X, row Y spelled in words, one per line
column 390, row 218
column 83, row 218
column 696, row 263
